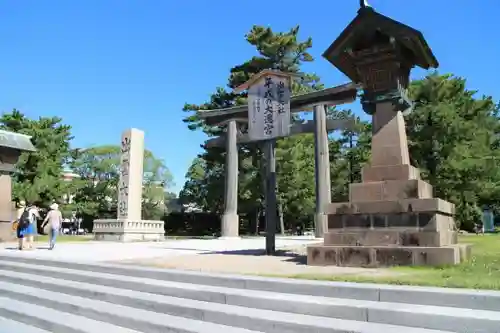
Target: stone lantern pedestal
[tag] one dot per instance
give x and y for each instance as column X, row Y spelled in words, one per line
column 11, row 147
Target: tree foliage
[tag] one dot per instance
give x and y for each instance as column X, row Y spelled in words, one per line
column 454, row 139
column 96, row 188
column 38, row 174
column 97, row 170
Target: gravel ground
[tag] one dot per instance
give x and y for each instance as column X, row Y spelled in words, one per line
column 287, row 262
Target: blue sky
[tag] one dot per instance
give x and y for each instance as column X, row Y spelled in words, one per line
column 107, row 65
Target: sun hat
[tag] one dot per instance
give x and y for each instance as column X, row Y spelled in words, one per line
column 54, row 206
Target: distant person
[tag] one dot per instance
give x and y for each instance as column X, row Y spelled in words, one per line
column 478, row 228
column 21, row 228
column 27, row 226
column 54, row 219
column 299, row 230
column 74, row 224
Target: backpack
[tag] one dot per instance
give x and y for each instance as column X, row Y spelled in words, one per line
column 24, row 220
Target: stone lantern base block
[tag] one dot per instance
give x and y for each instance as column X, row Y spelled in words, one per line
column 390, row 190
column 384, row 256
column 392, row 222
column 129, row 230
column 392, row 172
column 390, row 237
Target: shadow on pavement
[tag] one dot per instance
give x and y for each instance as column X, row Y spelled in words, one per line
column 291, row 256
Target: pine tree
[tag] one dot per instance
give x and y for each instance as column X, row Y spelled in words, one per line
column 453, row 137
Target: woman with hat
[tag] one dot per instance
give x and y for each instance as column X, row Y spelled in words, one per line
column 54, row 220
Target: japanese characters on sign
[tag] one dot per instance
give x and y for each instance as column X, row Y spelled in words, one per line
column 269, row 108
column 123, row 185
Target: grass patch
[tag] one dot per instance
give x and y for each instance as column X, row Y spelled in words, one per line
column 481, row 271
column 65, row 238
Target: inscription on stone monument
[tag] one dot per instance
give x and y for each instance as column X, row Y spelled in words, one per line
column 123, row 184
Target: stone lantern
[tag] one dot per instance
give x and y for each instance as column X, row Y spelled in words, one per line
column 11, row 147
column 391, row 217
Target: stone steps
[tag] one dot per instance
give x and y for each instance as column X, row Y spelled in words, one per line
column 48, row 295
column 9, row 325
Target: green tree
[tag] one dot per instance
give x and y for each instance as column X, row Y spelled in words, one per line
column 171, row 201
column 98, row 170
column 454, row 137
column 295, row 172
column 204, row 186
column 157, row 180
column 96, row 189
column 38, row 178
column 348, row 153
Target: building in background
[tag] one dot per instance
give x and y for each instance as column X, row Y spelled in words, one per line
column 69, row 176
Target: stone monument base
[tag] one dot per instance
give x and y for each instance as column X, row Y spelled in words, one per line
column 128, row 230
column 381, row 256
column 230, row 226
column 416, row 230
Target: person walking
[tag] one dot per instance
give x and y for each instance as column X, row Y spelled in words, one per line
column 54, row 220
column 22, row 223
column 27, row 226
column 33, row 227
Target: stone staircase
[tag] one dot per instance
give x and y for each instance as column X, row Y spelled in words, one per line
column 39, row 296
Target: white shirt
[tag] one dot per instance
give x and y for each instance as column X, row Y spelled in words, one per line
column 33, row 214
column 54, row 217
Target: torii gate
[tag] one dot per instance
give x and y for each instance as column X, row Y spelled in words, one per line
column 229, row 118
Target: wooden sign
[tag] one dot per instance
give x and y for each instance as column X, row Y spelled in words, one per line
column 269, row 95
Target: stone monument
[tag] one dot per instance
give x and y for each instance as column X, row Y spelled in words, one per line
column 391, row 217
column 129, row 225
column 11, row 147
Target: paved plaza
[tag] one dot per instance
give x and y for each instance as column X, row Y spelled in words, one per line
column 113, row 251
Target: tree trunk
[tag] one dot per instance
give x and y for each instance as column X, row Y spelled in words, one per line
column 257, row 221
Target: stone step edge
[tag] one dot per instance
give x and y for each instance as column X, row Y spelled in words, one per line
column 9, row 325
column 109, row 315
column 344, row 309
column 53, row 320
column 465, row 298
column 266, row 321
